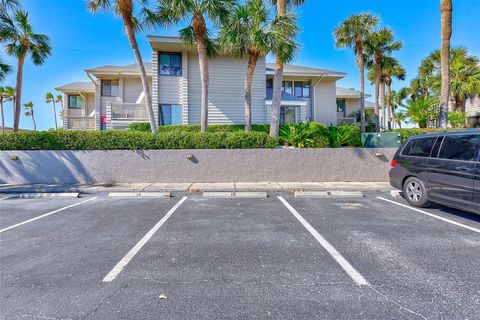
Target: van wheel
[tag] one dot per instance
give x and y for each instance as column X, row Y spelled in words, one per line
column 415, row 192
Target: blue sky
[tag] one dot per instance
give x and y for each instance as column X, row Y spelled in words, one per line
column 81, row 40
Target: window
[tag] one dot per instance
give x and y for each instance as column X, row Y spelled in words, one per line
column 419, row 147
column 436, row 147
column 341, row 105
column 287, row 115
column 110, row 88
column 170, row 114
column 75, row 102
column 302, row 89
column 459, row 147
column 287, row 87
column 170, row 64
column 269, row 83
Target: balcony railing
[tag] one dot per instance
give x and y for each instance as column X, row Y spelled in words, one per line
column 129, row 111
column 81, row 123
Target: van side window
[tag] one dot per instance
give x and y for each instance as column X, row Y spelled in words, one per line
column 436, row 147
column 419, row 147
column 460, row 147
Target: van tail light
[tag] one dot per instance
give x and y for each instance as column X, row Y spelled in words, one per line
column 394, row 163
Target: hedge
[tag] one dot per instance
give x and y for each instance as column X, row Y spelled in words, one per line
column 145, row 127
column 128, row 140
column 409, row 132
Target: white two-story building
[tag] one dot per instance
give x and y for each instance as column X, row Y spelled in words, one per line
column 114, row 97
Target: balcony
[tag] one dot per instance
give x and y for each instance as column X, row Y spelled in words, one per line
column 129, row 112
column 80, row 123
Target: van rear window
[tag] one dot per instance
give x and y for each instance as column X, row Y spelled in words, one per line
column 464, row 148
column 419, row 147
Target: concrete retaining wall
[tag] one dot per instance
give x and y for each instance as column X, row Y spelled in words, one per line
column 250, row 165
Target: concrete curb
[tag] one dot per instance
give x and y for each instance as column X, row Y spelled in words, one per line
column 140, row 194
column 34, row 195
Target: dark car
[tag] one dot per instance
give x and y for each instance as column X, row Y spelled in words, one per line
column 443, row 168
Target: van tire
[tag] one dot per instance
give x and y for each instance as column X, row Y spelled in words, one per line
column 415, row 192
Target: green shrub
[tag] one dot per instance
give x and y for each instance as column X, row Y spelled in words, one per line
column 298, row 135
column 343, row 136
column 145, row 127
column 409, row 132
column 457, row 119
column 131, row 140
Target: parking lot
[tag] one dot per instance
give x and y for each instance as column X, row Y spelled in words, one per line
column 275, row 257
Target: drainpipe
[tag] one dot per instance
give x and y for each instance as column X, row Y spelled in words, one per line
column 312, row 103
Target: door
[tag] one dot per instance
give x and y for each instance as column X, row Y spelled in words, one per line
column 451, row 174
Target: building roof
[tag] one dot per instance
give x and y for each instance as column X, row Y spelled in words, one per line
column 296, row 70
column 77, row 86
column 286, row 98
column 349, row 93
column 126, row 69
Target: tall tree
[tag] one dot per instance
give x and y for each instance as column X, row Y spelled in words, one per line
column 2, row 97
column 392, row 69
column 29, row 112
column 59, row 99
column 378, row 44
column 173, row 11
column 282, row 55
column 446, row 14
column 397, row 99
column 9, row 5
column 50, row 98
column 247, row 32
column 8, row 95
column 21, row 42
column 125, row 9
column 352, row 33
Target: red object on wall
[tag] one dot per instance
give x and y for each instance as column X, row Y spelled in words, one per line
column 104, row 120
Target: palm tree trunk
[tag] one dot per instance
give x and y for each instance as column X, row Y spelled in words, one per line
column 376, row 105
column 361, row 66
column 126, row 8
column 55, row 113
column 252, row 63
column 446, row 13
column 34, row 122
column 390, row 105
column 277, row 82
column 200, row 31
column 3, row 115
column 382, row 97
column 18, row 94
column 458, row 103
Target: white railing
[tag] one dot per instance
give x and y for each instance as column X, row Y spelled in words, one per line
column 129, row 111
column 346, row 120
column 81, row 122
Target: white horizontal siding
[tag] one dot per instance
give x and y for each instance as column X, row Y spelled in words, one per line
column 472, row 105
column 226, row 90
column 325, row 102
column 132, row 90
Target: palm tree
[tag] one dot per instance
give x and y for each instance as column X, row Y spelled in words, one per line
column 423, row 111
column 446, row 13
column 392, row 69
column 29, row 113
column 2, row 96
column 4, row 69
column 397, row 99
column 173, row 11
column 246, row 32
column 59, row 98
column 125, row 9
column 282, row 55
column 378, row 44
column 399, row 118
column 352, row 33
column 49, row 98
column 22, row 41
column 464, row 74
column 9, row 5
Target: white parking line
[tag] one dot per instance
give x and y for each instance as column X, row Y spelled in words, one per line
column 46, row 215
column 349, row 269
column 432, row 215
column 129, row 256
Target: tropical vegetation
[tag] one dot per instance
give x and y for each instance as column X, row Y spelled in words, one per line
column 50, row 98
column 17, row 32
column 29, row 112
column 352, row 33
column 446, row 9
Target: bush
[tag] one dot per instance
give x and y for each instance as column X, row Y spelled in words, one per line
column 457, row 119
column 317, row 135
column 409, row 132
column 145, row 127
column 130, row 140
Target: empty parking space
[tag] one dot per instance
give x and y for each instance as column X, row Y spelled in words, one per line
column 202, row 257
column 412, row 258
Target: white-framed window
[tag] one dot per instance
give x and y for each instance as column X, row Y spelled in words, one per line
column 171, row 114
column 110, row 88
column 75, row 101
